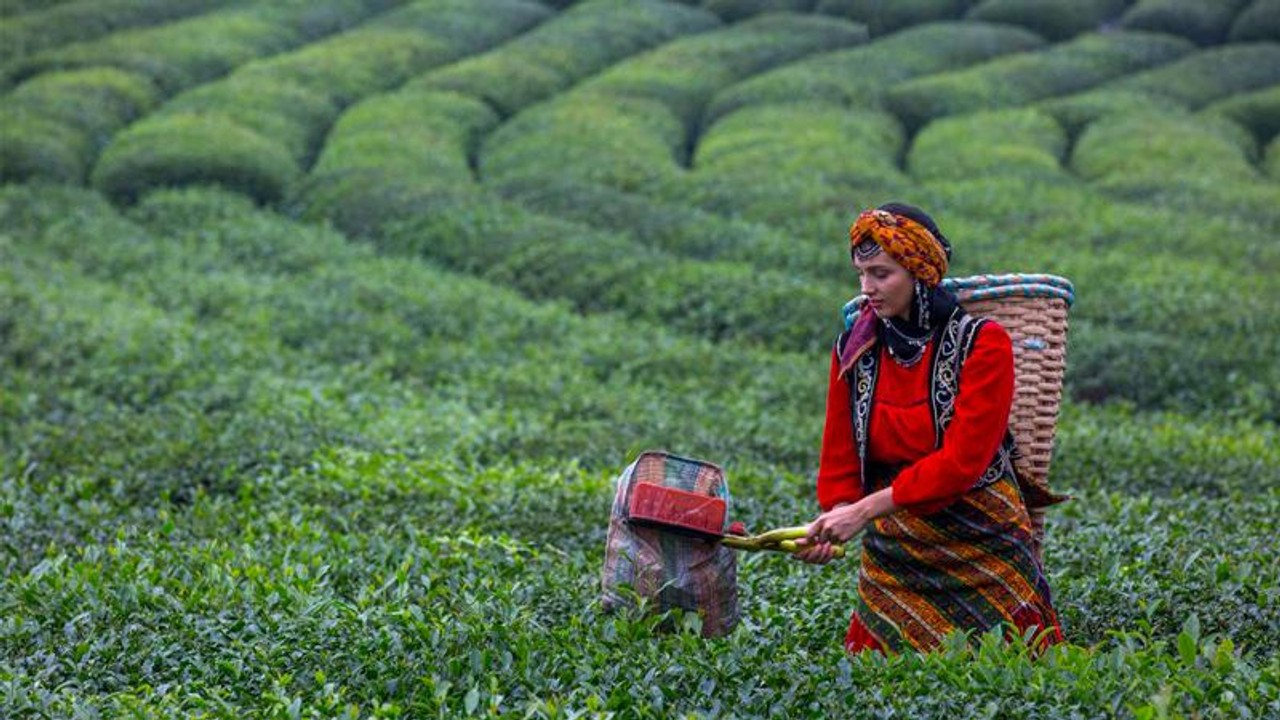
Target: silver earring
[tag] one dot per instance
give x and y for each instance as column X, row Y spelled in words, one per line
column 923, row 305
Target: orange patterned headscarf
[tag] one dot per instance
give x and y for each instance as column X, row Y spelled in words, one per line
column 908, row 242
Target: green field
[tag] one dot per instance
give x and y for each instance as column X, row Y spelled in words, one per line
column 325, row 326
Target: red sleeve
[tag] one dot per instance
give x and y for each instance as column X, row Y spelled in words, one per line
column 839, row 476
column 975, row 432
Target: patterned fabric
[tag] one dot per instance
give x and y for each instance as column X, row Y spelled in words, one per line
column 908, row 242
column 969, row 567
column 975, row 564
column 667, row 569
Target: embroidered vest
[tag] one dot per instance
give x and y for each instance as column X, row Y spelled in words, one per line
column 953, row 345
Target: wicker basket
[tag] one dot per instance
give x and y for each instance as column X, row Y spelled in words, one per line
column 1033, row 308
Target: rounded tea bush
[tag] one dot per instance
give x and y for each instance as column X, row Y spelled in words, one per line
column 284, row 112
column 53, row 24
column 1027, row 77
column 98, row 100
column 735, row 10
column 36, row 148
column 1206, row 22
column 1259, row 21
column 1211, row 74
column 54, row 124
column 858, row 76
column 1149, row 150
column 1024, row 142
column 1258, row 111
column 883, row 17
column 188, row 149
column 1075, row 112
column 564, row 50
column 1053, row 19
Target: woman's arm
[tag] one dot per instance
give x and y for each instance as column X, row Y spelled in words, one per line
column 839, row 471
column 841, row 523
column 974, row 434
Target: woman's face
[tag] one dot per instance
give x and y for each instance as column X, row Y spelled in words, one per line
column 888, row 286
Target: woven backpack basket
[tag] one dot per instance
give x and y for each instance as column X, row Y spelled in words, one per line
column 1033, row 309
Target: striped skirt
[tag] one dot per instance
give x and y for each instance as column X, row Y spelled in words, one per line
column 969, row 567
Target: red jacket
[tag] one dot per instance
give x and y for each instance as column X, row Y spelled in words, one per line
column 901, row 428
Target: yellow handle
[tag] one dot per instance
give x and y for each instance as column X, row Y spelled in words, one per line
column 790, row 546
column 782, row 540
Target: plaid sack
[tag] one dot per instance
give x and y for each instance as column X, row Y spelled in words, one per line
column 670, row 569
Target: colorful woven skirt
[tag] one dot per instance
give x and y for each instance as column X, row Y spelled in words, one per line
column 969, row 567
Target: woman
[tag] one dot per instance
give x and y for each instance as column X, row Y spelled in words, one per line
column 917, row 453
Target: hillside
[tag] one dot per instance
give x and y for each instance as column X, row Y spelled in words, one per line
column 324, row 327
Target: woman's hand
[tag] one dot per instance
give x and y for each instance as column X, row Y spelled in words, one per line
column 841, row 523
column 819, row 553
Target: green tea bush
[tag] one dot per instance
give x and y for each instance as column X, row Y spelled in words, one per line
column 735, row 10
column 1212, row 74
column 390, row 153
column 681, row 230
column 361, row 569
column 1107, row 551
column 391, row 48
column 405, row 338
column 857, row 77
column 1205, row 21
column 722, row 57
column 361, row 189
column 181, row 54
column 1114, row 448
column 1027, row 77
column 1053, row 19
column 1260, row 20
column 1259, row 111
column 280, row 110
column 564, row 50
column 885, row 17
column 96, row 101
column 1133, row 154
column 627, row 143
column 187, row 149
column 87, row 19
column 600, row 272
column 173, row 56
column 1076, row 112
column 634, row 124
column 1028, row 143
column 795, row 144
column 35, row 147
column 298, row 94
column 69, row 116
column 747, row 142
column 10, row 8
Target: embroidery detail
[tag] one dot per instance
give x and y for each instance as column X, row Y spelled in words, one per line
column 865, row 374
column 955, row 343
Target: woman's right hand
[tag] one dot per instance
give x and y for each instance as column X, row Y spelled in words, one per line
column 816, row 552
